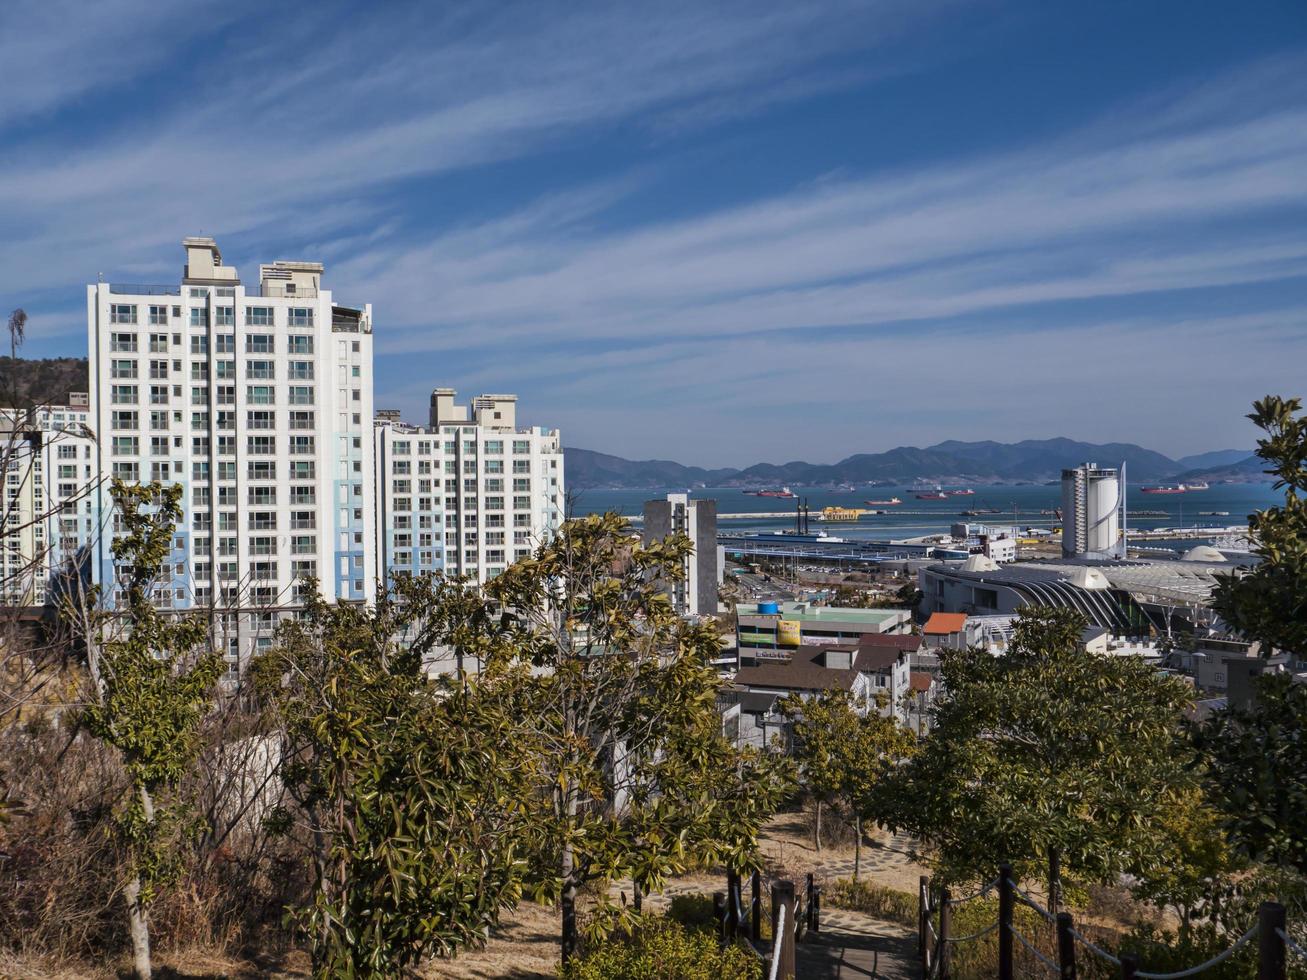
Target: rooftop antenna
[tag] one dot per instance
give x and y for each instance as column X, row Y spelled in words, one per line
column 1125, row 532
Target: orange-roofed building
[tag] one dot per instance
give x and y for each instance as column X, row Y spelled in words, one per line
column 947, row 630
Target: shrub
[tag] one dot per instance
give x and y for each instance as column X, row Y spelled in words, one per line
column 876, row 900
column 661, row 949
column 694, row 911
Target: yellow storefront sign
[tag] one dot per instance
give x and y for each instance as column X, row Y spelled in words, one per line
column 788, row 633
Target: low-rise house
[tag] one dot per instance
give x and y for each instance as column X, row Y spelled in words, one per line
column 773, row 631
column 946, row 631
column 874, row 675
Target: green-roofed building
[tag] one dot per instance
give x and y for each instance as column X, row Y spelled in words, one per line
column 770, row 631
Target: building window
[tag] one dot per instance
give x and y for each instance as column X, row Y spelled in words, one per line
column 122, row 369
column 122, row 343
column 301, row 370
column 224, row 343
column 122, row 313
column 260, row 370
column 224, row 316
column 199, row 317
column 259, row 343
column 260, row 419
column 258, row 316
column 122, row 395
column 301, row 344
column 301, row 420
column 300, row 316
column 301, row 395
column 262, row 445
column 259, row 394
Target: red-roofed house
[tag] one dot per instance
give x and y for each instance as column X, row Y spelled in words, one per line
column 946, row 630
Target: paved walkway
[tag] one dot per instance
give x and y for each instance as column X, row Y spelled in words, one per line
column 853, row 945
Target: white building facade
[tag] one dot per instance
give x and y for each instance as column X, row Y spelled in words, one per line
column 257, row 400
column 467, row 494
column 50, row 497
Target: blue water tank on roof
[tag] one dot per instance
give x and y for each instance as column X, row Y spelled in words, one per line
column 768, row 609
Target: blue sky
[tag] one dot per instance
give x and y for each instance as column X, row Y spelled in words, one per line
column 718, row 233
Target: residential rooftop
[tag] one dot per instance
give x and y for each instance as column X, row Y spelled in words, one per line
column 807, row 612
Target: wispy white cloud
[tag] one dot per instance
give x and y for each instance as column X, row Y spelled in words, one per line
column 281, row 127
column 1067, row 221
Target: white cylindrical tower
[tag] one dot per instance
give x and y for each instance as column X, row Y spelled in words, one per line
column 1091, row 511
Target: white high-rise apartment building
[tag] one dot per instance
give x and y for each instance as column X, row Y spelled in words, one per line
column 257, row 399
column 468, row 494
column 49, row 462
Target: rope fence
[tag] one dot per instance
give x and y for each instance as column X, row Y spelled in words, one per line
column 1049, row 964
column 1290, row 945
column 1270, row 930
column 1193, row 971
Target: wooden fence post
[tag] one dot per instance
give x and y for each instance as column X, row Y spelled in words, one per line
column 732, row 905
column 923, row 906
column 816, row 908
column 1129, row 966
column 1271, row 954
column 782, row 936
column 1066, row 947
column 945, row 924
column 1054, row 879
column 1005, row 905
column 719, row 913
column 808, row 886
column 755, row 910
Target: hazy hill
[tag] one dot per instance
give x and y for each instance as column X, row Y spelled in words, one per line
column 32, row 382
column 1029, row 461
column 1214, row 459
column 1250, row 469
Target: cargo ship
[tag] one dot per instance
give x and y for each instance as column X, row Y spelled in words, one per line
column 782, row 492
column 1200, row 485
column 933, row 495
column 884, row 503
column 1165, row 488
column 960, row 493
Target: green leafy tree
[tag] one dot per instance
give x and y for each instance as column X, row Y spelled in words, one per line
column 1257, row 769
column 154, row 677
column 1257, row 756
column 820, row 727
column 1269, row 603
column 1047, row 751
column 618, row 700
column 844, row 752
column 412, row 790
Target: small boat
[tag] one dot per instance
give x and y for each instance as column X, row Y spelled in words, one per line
column 960, row 493
column 1165, row 488
column 883, row 503
column 1214, row 513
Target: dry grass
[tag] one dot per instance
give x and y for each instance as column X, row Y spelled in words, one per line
column 524, row 947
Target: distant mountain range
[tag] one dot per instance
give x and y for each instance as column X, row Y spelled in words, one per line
column 25, row 381
column 1030, row 461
